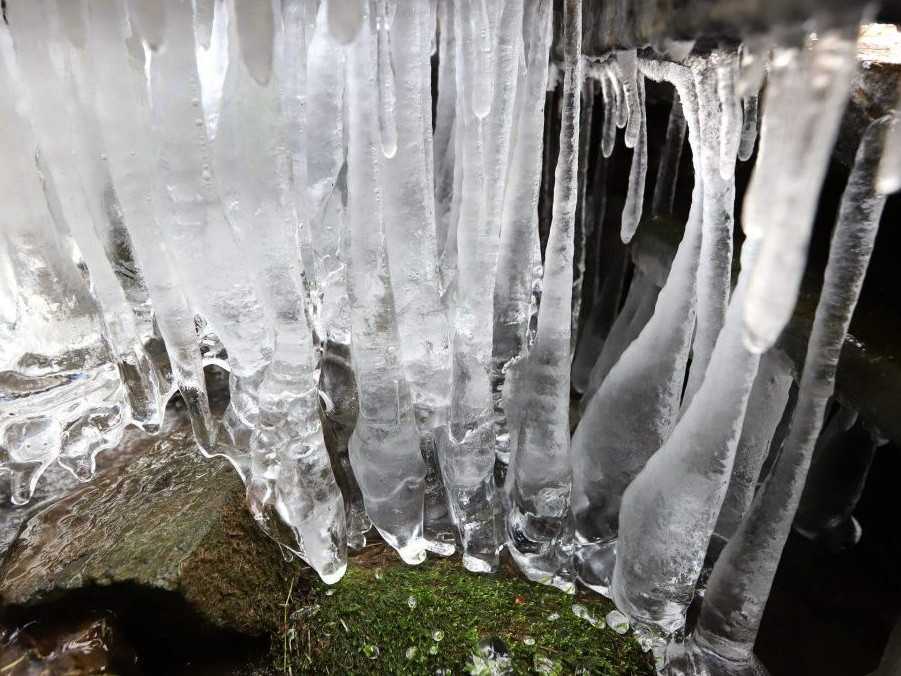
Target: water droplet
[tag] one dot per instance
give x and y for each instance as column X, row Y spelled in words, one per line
column 371, row 651
column 412, row 652
column 437, row 635
column 528, row 640
column 617, row 622
column 583, row 613
column 411, row 601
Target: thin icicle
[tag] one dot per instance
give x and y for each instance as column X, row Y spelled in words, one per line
column 726, row 64
column 482, row 21
column 608, row 133
column 749, row 128
column 635, row 196
column 538, row 524
column 385, row 77
column 627, row 64
column 670, row 159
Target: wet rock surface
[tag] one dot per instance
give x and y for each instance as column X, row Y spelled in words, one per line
column 162, row 540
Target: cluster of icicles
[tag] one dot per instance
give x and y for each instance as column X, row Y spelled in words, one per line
column 262, row 185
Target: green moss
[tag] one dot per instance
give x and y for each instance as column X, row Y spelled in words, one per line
column 384, row 617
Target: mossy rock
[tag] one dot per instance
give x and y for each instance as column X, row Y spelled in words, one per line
column 386, row 617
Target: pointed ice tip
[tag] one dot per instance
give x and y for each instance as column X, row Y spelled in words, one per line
column 887, row 183
column 626, row 234
column 389, row 150
column 754, row 342
column 332, row 574
column 413, row 553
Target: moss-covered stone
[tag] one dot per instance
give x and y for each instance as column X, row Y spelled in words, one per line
column 385, row 617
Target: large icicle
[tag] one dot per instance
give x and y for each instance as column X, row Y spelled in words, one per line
column 538, row 523
column 714, row 271
column 468, row 454
column 519, row 222
column 192, row 218
column 384, row 448
column 807, row 88
column 290, row 467
column 669, row 511
column 384, row 18
column 412, row 255
column 743, row 576
column 635, row 408
column 123, row 111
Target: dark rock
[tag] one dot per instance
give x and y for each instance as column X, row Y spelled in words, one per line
column 164, row 541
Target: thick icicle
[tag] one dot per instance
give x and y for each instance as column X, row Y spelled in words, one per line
column 384, row 448
column 539, row 521
column 715, row 269
column 807, row 89
column 636, row 406
column 468, row 455
column 626, row 63
column 726, row 63
column 412, row 255
column 670, row 509
column 740, row 584
column 519, row 222
column 290, row 467
column 443, row 141
column 482, row 15
column 194, row 225
column 123, row 111
column 670, row 159
column 608, row 133
column 345, row 18
column 639, row 170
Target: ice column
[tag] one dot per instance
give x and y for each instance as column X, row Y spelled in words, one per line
column 519, row 221
column 635, row 408
column 671, row 157
column 412, row 255
column 807, row 88
column 468, row 454
column 539, row 521
column 740, row 584
column 384, row 448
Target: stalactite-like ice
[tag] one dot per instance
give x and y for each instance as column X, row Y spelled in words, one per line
column 635, row 197
column 671, row 157
column 807, row 88
column 539, row 520
column 384, row 448
column 723, row 639
column 633, row 411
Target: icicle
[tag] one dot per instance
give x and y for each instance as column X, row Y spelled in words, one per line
column 538, row 522
column 627, row 64
column 635, row 408
column 806, row 94
column 714, row 272
column 890, row 167
column 467, row 460
column 670, row 159
column 412, row 256
column 608, row 137
column 740, row 584
column 519, row 221
column 582, row 232
column 639, row 170
column 345, row 18
column 385, row 77
column 483, row 42
column 669, row 511
column 766, row 407
column 838, row 472
column 123, row 112
column 204, row 15
column 749, row 128
column 726, row 64
column 384, row 448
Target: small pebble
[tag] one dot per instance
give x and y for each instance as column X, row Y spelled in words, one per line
column 553, row 617
column 528, row 640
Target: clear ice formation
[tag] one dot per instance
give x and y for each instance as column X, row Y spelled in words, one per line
column 405, row 297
